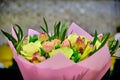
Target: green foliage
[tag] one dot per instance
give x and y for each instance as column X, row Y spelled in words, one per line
column 63, row 31
column 59, row 30
column 76, row 56
column 102, row 41
column 19, row 33
column 113, row 46
column 46, row 27
column 95, row 38
column 10, row 37
column 43, row 53
column 33, row 38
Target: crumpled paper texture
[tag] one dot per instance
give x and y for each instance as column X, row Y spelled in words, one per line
column 59, row 67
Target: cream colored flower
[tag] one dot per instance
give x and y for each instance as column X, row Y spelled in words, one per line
column 29, row 50
column 72, row 38
column 88, row 49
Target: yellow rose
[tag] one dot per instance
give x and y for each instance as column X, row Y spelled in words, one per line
column 29, row 50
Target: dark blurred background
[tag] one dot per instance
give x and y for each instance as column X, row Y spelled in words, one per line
column 100, row 15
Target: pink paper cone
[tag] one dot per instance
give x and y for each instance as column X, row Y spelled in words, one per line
column 59, row 67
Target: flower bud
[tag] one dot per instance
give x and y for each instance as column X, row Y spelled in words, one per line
column 43, row 37
column 65, row 43
column 80, row 44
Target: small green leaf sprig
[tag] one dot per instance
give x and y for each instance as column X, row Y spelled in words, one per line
column 19, row 34
column 113, row 46
column 102, row 41
column 59, row 30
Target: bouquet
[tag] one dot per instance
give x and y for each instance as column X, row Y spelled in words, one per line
column 69, row 53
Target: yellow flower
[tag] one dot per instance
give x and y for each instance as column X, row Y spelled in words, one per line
column 72, row 38
column 29, row 50
column 6, row 56
column 89, row 48
column 68, row 52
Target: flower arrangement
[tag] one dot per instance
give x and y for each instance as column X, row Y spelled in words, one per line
column 37, row 47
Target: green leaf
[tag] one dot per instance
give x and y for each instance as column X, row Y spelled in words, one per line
column 57, row 29
column 42, row 52
column 105, row 38
column 57, row 45
column 95, row 38
column 43, row 29
column 52, row 37
column 20, row 32
column 10, row 37
column 19, row 45
column 111, row 44
column 63, row 32
column 33, row 38
column 46, row 25
column 16, row 34
column 76, row 56
column 114, row 47
column 70, row 44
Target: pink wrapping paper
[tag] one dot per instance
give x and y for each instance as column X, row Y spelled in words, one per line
column 61, row 68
